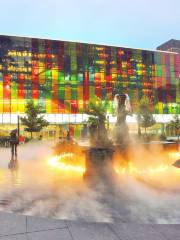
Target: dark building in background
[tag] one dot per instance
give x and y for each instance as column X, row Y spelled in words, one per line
column 172, row 45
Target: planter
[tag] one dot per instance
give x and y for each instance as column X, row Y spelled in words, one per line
column 99, row 163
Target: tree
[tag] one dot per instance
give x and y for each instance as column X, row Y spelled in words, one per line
column 34, row 120
column 97, row 110
column 175, row 124
column 145, row 117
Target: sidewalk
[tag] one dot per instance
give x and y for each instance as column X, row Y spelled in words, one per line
column 19, row 227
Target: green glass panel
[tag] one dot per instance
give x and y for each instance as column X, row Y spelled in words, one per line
column 61, row 92
column 92, row 91
column 48, row 74
column 73, row 78
column 14, row 91
column 60, row 76
column 80, row 77
column 42, row 103
column 91, row 77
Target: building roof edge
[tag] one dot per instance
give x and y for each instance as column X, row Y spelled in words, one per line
column 98, row 44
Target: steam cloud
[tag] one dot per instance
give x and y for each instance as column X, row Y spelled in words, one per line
column 37, row 190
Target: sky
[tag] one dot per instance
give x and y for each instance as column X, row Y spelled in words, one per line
column 130, row 23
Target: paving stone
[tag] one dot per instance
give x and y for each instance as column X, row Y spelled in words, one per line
column 58, row 234
column 12, row 224
column 15, row 237
column 91, row 231
column 170, row 231
column 136, row 232
column 19, row 227
column 38, row 224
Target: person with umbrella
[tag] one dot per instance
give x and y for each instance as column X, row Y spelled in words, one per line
column 14, row 142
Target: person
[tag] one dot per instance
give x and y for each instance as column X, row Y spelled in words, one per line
column 68, row 136
column 14, row 142
column 40, row 137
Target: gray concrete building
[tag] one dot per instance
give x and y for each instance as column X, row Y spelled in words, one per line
column 172, row 45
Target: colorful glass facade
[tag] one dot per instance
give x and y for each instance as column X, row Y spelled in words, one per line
column 63, row 76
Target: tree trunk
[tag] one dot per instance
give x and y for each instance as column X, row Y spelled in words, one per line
column 31, row 135
column 139, row 130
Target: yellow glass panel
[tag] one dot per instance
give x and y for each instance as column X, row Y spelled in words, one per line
column 55, row 76
column 21, row 105
column 80, row 105
column 1, row 90
column 7, row 106
column 160, row 107
column 14, row 105
column 1, row 105
column 67, row 93
column 48, row 106
column 42, row 78
column 80, row 92
column 41, row 72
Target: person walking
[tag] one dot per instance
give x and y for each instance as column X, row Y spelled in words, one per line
column 14, row 142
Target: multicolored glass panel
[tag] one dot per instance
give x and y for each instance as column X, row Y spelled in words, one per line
column 64, row 76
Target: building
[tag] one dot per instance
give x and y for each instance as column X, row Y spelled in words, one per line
column 171, row 46
column 63, row 76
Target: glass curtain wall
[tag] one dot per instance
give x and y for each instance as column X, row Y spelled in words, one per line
column 64, row 76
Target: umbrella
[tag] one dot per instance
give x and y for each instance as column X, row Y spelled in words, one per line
column 177, row 163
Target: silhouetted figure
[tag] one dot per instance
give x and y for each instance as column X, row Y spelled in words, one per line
column 14, row 142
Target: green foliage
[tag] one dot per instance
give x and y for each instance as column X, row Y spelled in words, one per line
column 144, row 114
column 146, row 120
column 144, row 105
column 34, row 119
column 175, row 123
column 97, row 119
column 97, row 108
column 27, row 139
column 97, row 111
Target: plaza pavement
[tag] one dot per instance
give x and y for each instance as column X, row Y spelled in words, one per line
column 20, row 227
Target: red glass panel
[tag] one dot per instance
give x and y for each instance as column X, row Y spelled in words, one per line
column 176, row 65
column 74, row 106
column 61, row 106
column 6, row 86
column 86, row 86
